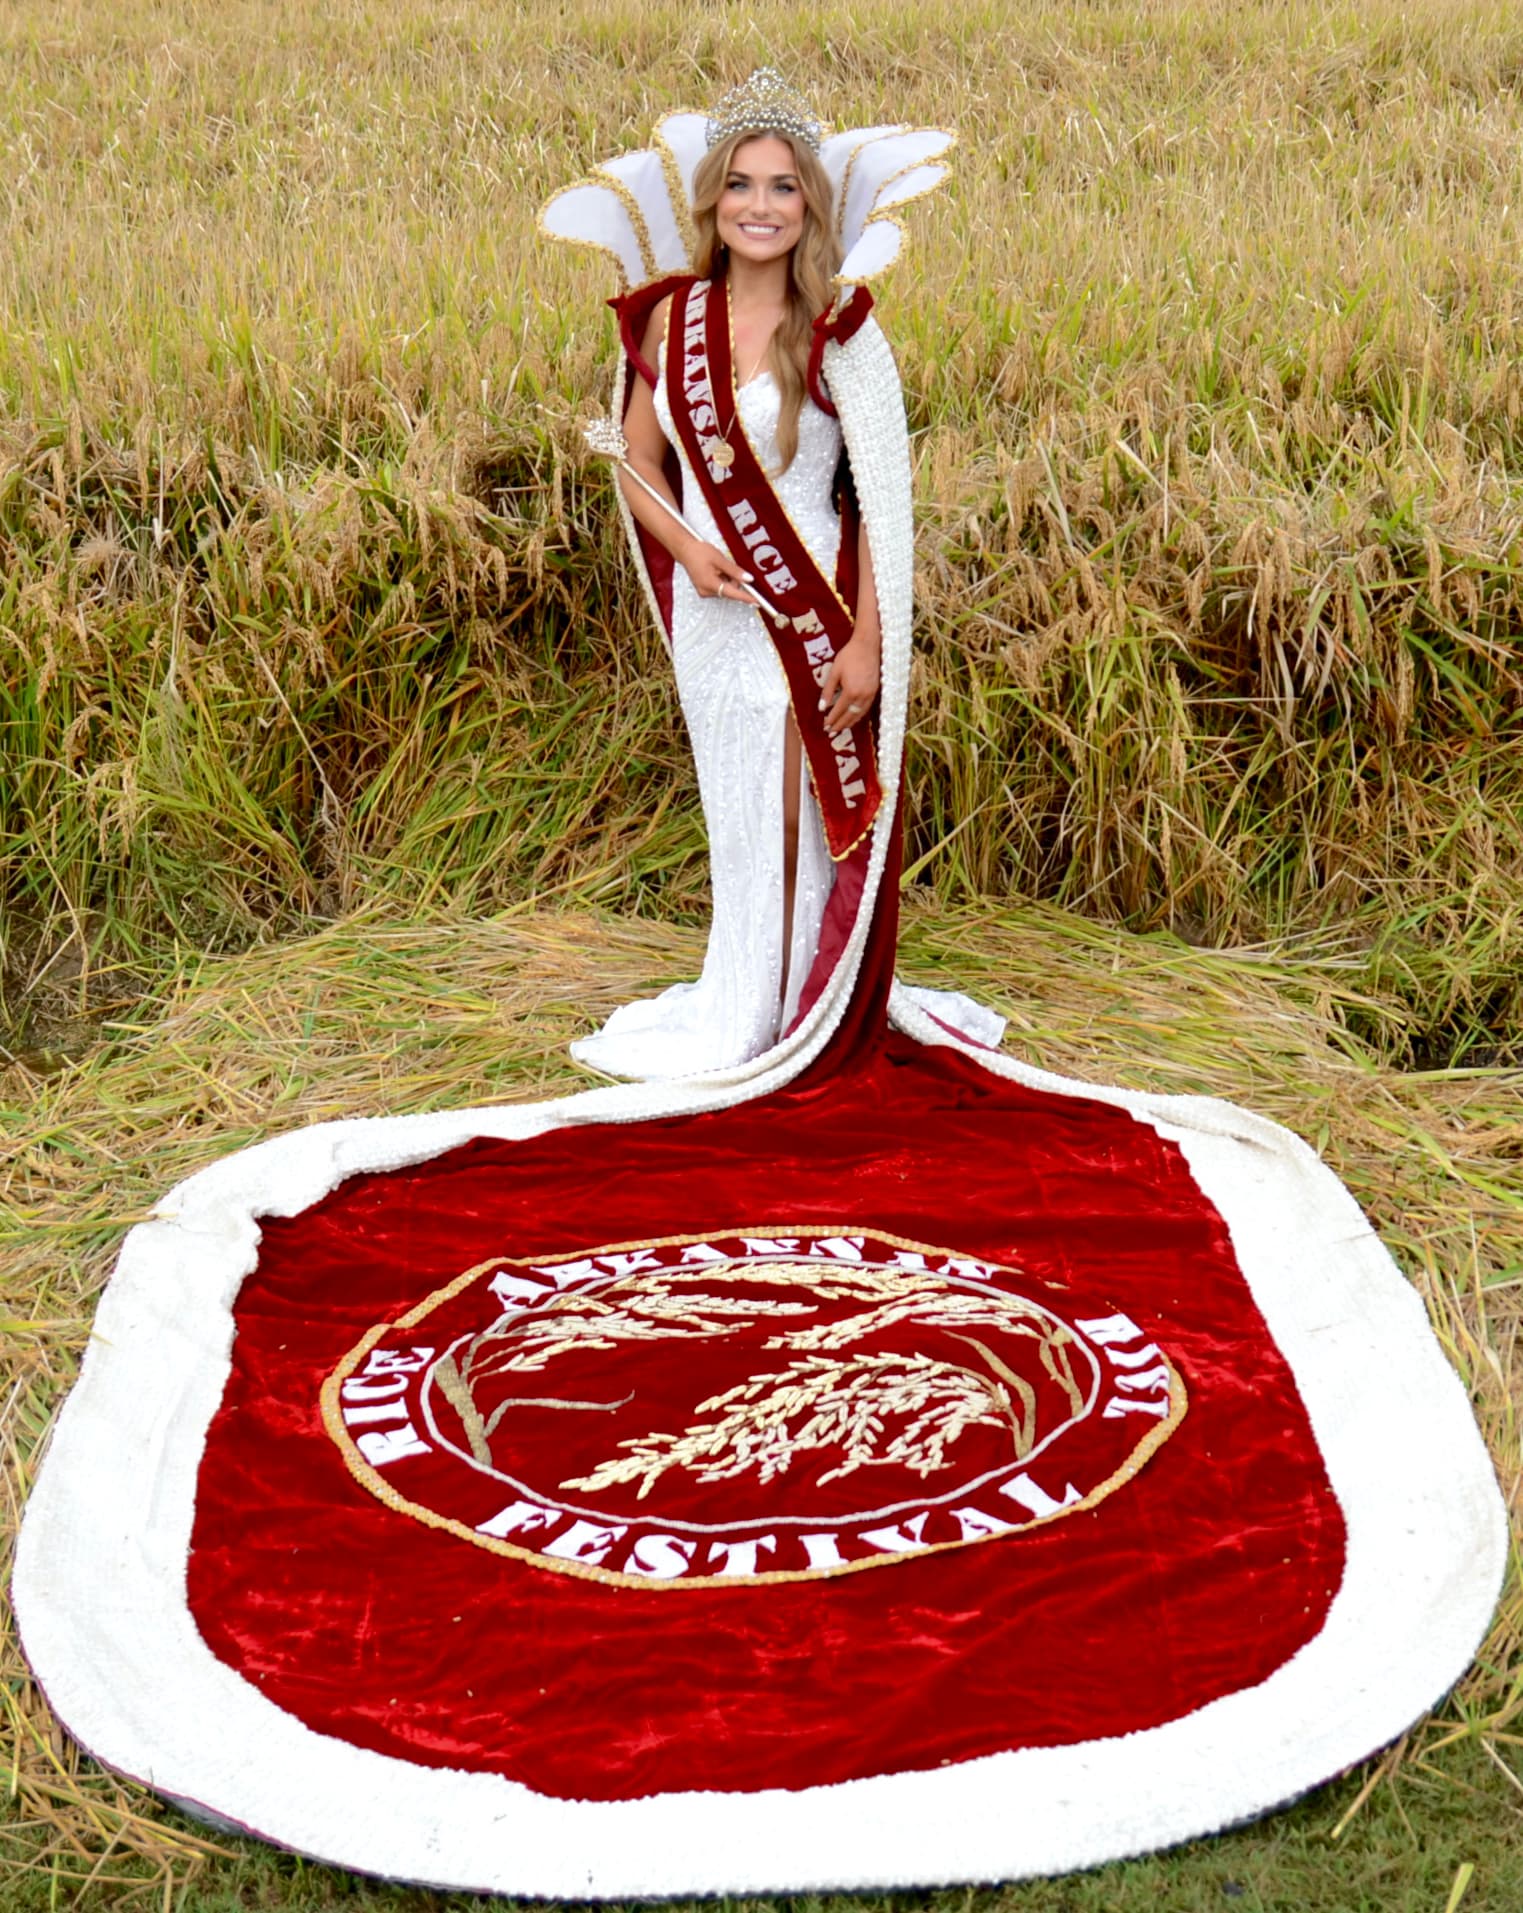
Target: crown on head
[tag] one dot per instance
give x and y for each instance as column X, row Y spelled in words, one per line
column 765, row 103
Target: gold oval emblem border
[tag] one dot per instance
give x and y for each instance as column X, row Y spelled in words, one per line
column 371, row 1479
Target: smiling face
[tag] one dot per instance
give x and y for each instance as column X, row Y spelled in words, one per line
column 760, row 209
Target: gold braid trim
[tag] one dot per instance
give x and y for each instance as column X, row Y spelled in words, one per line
column 940, row 159
column 887, row 215
column 586, row 245
column 894, row 132
column 631, row 205
column 681, row 207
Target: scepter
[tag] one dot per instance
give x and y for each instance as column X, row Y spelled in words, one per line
column 605, row 436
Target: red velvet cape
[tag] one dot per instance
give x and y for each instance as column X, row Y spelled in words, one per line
column 1199, row 1577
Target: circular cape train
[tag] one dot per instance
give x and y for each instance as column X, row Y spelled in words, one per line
column 878, row 1464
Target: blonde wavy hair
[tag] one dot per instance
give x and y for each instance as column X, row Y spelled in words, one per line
column 811, row 267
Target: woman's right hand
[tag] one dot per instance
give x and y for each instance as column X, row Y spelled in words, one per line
column 714, row 573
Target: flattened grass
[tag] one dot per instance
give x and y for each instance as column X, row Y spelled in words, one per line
column 378, row 1014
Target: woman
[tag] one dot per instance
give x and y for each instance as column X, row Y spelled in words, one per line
column 778, row 687
column 668, row 1530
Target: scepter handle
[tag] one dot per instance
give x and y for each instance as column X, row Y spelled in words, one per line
column 605, row 436
column 761, row 604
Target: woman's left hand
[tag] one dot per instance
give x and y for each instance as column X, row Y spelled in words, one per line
column 850, row 685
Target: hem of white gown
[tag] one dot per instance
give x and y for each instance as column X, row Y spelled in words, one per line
column 649, row 1050
column 975, row 1021
column 663, row 1039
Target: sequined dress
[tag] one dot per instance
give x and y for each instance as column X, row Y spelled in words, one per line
column 735, row 701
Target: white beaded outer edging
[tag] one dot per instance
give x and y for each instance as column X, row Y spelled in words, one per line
column 100, row 1574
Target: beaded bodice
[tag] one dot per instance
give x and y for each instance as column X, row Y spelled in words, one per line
column 803, row 489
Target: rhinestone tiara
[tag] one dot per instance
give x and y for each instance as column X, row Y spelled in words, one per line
column 765, row 103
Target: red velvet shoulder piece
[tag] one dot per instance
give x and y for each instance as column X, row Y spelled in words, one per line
column 633, row 310
column 845, row 325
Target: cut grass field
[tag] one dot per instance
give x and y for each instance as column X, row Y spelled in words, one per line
column 339, row 773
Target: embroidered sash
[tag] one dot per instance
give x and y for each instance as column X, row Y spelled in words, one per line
column 700, row 383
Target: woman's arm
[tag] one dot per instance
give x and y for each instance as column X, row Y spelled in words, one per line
column 851, row 683
column 707, row 566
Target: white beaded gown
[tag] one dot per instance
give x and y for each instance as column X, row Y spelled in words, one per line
column 735, row 700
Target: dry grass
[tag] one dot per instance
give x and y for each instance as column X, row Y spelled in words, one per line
column 373, row 1016
column 1210, row 356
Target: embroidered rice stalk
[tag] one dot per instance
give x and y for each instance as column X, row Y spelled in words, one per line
column 646, row 1311
column 645, row 1306
column 550, row 1401
column 452, row 1387
column 1023, row 1431
column 818, row 1403
column 1059, row 1365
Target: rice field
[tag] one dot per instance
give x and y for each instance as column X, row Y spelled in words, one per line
column 309, row 599
column 340, row 773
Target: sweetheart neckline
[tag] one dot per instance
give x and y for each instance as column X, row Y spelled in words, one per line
column 757, row 378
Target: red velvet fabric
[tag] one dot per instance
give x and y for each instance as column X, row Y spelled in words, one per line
column 633, row 311
column 869, row 1003
column 1196, row 1578
column 530, row 1409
